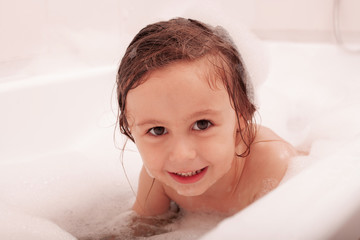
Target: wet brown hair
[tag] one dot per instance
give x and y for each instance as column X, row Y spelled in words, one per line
column 162, row 43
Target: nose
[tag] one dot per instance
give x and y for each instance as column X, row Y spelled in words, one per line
column 182, row 150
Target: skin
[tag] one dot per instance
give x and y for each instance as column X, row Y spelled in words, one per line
column 181, row 124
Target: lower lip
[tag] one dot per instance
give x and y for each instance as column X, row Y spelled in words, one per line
column 187, row 180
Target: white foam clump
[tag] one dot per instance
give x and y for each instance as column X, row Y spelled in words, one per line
column 61, row 196
column 15, row 225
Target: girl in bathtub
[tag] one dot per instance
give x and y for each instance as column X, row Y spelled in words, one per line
column 185, row 101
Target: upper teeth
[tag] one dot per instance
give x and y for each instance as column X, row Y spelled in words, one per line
column 189, row 174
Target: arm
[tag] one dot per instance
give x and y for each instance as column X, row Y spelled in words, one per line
column 151, row 206
column 147, row 218
column 151, row 199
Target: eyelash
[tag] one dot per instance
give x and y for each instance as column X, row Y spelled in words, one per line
column 209, row 124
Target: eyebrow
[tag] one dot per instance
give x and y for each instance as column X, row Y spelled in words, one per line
column 153, row 122
column 156, row 122
column 203, row 112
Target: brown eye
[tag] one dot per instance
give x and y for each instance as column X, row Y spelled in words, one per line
column 202, row 125
column 158, row 131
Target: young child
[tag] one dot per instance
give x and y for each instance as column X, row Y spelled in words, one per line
column 185, row 101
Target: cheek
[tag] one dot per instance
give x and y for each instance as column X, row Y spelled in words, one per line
column 220, row 147
column 151, row 155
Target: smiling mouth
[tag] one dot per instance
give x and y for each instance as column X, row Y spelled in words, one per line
column 189, row 174
column 189, row 177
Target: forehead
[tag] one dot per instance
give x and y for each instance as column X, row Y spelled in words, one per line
column 178, row 89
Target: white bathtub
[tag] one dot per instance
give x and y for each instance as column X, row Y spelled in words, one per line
column 61, row 176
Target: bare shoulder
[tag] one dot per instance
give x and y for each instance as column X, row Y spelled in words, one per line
column 268, row 143
column 268, row 160
column 151, row 199
column 270, row 150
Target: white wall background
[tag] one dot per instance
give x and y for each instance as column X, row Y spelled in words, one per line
column 305, row 20
column 47, row 36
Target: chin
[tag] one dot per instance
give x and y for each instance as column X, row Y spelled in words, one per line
column 192, row 190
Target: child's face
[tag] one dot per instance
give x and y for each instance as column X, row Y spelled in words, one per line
column 181, row 125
